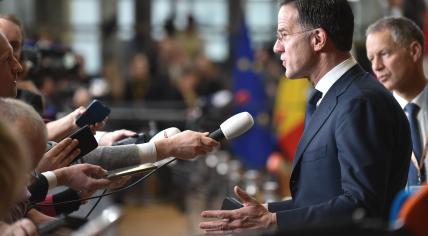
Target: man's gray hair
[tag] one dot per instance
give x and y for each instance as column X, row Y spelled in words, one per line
column 403, row 30
column 19, row 113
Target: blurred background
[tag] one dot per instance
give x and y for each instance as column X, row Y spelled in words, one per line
column 190, row 64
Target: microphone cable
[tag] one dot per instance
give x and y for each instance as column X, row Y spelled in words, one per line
column 95, row 205
column 104, row 194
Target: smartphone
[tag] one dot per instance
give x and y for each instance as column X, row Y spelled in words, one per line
column 136, row 139
column 131, row 170
column 95, row 112
column 87, row 141
column 61, row 225
column 230, row 203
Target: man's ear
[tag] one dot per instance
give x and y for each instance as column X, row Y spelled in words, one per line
column 415, row 51
column 319, row 39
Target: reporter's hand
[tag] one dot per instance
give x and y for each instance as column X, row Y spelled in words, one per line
column 23, row 227
column 185, row 145
column 252, row 216
column 61, row 155
column 119, row 182
column 82, row 177
column 95, row 127
column 111, row 137
column 98, row 126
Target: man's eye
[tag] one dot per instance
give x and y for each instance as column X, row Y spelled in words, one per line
column 385, row 53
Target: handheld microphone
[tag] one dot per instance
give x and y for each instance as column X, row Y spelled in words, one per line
column 136, row 139
column 233, row 127
column 166, row 133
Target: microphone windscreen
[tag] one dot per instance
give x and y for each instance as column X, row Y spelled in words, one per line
column 166, row 133
column 237, row 125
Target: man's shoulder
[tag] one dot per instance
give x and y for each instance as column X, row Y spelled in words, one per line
column 365, row 84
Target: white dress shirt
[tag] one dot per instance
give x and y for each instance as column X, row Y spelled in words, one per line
column 327, row 81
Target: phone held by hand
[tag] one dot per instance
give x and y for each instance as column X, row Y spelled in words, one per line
column 131, row 170
column 95, row 112
column 230, row 203
column 87, row 141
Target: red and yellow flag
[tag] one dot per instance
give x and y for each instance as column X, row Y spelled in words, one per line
column 289, row 113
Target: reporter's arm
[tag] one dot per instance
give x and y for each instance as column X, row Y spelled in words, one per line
column 82, row 177
column 37, row 217
column 24, row 227
column 60, row 128
column 185, row 145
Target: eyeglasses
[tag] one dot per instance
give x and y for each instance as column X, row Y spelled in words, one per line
column 282, row 36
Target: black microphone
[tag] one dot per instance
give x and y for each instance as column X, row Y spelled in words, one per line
column 233, row 127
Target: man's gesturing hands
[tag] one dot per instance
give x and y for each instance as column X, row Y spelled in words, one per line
column 252, row 216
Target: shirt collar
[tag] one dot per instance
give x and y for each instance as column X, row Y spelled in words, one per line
column 419, row 100
column 325, row 83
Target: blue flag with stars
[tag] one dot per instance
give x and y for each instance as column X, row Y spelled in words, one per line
column 253, row 147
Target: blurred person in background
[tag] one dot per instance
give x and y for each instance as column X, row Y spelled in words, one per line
column 187, row 84
column 12, row 163
column 395, row 47
column 189, row 39
column 411, row 9
column 210, row 79
column 27, row 90
column 147, row 87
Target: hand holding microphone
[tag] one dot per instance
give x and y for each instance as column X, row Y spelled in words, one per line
column 189, row 144
column 185, row 145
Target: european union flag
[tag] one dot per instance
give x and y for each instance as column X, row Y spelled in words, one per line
column 253, row 147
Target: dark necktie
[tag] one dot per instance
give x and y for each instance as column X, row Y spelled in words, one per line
column 312, row 105
column 412, row 110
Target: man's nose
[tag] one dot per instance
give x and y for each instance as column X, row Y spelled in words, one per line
column 278, row 48
column 377, row 64
column 17, row 68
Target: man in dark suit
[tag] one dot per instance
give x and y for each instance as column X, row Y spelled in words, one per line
column 395, row 48
column 355, row 149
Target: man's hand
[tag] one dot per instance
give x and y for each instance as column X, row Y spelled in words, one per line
column 252, row 216
column 83, row 177
column 119, row 182
column 22, row 227
column 111, row 137
column 185, row 145
column 95, row 127
column 61, row 155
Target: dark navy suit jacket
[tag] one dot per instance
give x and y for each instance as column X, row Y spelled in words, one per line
column 355, row 153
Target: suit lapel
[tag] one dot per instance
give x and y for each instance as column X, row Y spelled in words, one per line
column 318, row 119
column 323, row 112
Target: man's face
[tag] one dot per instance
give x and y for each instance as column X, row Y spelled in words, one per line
column 9, row 69
column 391, row 62
column 14, row 36
column 293, row 43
